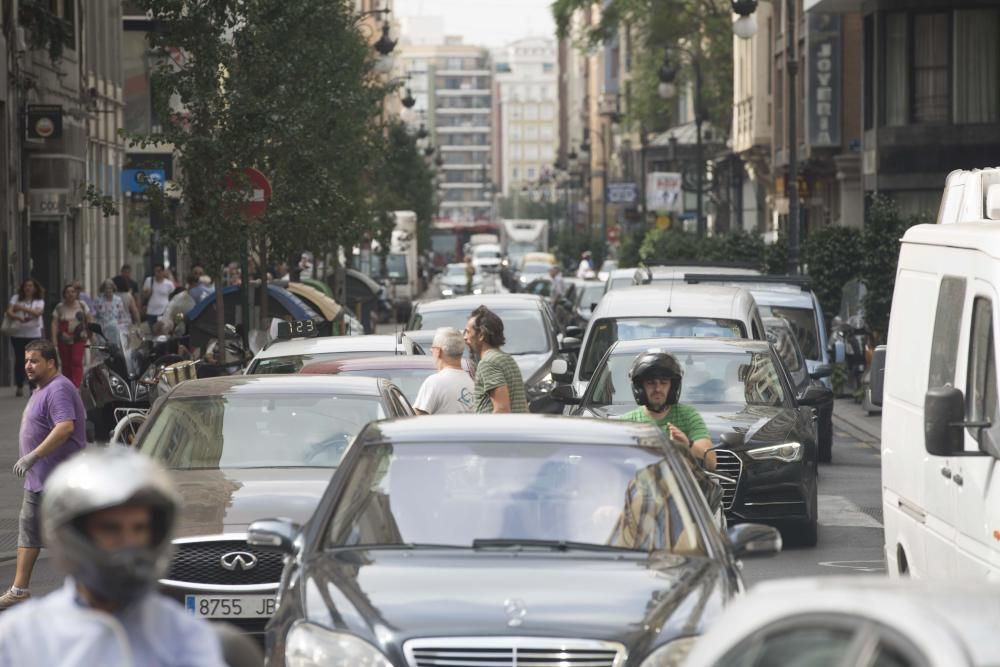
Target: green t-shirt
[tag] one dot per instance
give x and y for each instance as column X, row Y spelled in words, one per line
column 496, row 369
column 682, row 416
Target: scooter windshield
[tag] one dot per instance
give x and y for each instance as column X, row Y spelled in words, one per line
column 131, row 345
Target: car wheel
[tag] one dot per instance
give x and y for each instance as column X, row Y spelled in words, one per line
column 824, row 438
column 806, row 534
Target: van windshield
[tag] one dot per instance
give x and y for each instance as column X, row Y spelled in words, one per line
column 608, row 330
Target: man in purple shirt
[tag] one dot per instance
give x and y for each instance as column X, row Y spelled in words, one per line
column 53, row 428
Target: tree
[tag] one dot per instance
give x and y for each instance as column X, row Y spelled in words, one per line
column 406, row 181
column 834, row 256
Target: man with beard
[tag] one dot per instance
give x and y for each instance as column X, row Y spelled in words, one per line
column 656, row 384
column 499, row 387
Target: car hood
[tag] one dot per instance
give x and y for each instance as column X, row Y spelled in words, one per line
column 228, row 500
column 638, row 601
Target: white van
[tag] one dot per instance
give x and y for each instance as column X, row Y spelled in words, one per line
column 940, row 416
column 970, row 195
column 658, row 311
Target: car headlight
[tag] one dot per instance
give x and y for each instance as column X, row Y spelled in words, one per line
column 309, row 645
column 447, row 292
column 544, row 385
column 523, row 280
column 787, row 452
column 118, row 387
column 670, row 655
column 477, row 290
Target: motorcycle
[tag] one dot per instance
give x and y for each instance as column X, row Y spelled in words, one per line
column 850, row 340
column 115, row 381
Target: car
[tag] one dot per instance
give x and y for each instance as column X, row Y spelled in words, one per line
column 289, row 356
column 487, row 257
column 618, row 278
column 607, row 266
column 467, row 539
column 533, row 336
column 859, row 620
column 531, row 271
column 652, row 311
column 242, row 447
column 453, row 281
column 783, row 337
column 651, row 275
column 764, row 434
column 407, row 372
column 588, row 295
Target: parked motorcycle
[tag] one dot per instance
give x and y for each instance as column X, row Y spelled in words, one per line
column 850, row 340
column 114, row 381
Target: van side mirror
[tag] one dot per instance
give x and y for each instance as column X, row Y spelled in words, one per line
column 570, row 344
column 944, row 425
column 573, row 332
column 561, row 370
column 877, row 379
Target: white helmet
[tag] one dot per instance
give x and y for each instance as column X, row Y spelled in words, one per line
column 101, row 479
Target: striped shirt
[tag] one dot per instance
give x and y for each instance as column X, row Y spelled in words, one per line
column 682, row 416
column 497, row 369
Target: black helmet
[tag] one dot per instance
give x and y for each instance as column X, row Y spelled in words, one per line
column 655, row 364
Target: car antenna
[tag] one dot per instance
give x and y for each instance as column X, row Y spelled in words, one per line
column 670, row 297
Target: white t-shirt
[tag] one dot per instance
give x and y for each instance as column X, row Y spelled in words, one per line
column 449, row 391
column 159, row 295
column 33, row 327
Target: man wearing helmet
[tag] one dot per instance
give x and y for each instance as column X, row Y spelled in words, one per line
column 585, row 266
column 107, row 516
column 656, row 379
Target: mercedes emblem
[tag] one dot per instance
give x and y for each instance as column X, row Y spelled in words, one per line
column 238, row 560
column 516, row 610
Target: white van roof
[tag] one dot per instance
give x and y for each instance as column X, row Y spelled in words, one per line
column 683, row 299
column 982, row 236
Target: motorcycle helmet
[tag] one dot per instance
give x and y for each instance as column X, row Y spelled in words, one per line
column 655, row 364
column 102, row 479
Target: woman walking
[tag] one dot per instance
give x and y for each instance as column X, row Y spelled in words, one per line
column 111, row 313
column 25, row 308
column 70, row 333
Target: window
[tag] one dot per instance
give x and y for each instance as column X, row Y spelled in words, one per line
column 981, row 383
column 894, row 75
column 809, row 645
column 947, row 323
column 930, row 68
column 977, row 66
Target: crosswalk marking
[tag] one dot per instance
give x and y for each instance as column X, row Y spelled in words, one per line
column 840, row 512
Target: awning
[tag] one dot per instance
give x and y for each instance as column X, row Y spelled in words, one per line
column 326, row 306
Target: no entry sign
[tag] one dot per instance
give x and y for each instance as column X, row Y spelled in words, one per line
column 260, row 193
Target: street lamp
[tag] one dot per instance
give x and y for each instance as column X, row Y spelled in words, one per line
column 745, row 27
column 667, row 90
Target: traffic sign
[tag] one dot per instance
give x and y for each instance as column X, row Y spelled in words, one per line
column 260, row 192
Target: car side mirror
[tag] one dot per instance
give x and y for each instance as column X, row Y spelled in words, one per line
column 751, row 540
column 821, row 371
column 573, row 332
column 570, row 344
column 815, row 394
column 561, row 370
column 564, row 394
column 878, row 375
column 273, row 534
column 944, row 422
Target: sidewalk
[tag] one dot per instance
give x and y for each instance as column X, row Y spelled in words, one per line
column 11, row 487
column 849, row 417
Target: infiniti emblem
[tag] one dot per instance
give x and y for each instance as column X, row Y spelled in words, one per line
column 238, row 560
column 516, row 610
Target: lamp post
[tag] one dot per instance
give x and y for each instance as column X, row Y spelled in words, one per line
column 667, row 90
column 745, row 27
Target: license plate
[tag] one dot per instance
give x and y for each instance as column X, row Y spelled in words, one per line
column 219, row 606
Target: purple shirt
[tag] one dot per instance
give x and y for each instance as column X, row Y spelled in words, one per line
column 56, row 402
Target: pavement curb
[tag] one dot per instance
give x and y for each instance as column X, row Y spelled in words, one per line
column 866, row 435
column 7, row 556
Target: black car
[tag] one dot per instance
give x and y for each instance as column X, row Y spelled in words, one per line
column 533, row 336
column 765, row 434
column 786, row 344
column 504, row 540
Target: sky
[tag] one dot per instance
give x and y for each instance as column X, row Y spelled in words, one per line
column 485, row 22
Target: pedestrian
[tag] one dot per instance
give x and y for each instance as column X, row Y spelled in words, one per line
column 470, row 274
column 70, row 333
column 25, row 312
column 556, row 292
column 203, row 289
column 108, row 518
column 83, row 295
column 180, row 303
column 123, row 281
column 450, row 390
column 499, row 386
column 585, row 267
column 53, row 428
column 111, row 314
column 156, row 290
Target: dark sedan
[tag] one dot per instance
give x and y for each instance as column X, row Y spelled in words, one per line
column 244, row 447
column 765, row 435
column 504, row 540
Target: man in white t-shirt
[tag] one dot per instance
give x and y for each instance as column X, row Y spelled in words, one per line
column 157, row 290
column 450, row 390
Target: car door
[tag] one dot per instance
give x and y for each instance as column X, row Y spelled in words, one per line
column 973, row 476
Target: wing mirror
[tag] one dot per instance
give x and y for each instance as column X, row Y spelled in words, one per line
column 815, row 395
column 573, row 332
column 944, row 422
column 273, row 534
column 878, row 375
column 561, row 370
column 821, row 371
column 751, row 540
column 570, row 344
column 564, row 394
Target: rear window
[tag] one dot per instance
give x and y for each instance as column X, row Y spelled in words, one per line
column 803, row 323
column 606, row 331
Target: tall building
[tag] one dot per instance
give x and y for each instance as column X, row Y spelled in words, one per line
column 452, row 84
column 526, row 111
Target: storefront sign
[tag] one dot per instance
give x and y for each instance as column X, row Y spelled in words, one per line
column 44, row 121
column 137, row 180
column 622, row 193
column 663, row 192
column 824, row 89
column 44, row 204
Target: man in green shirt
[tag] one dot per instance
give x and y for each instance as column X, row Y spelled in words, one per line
column 499, row 386
column 656, row 384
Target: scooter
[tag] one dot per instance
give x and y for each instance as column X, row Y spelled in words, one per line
column 115, row 380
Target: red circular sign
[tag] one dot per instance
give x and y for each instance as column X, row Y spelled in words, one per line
column 259, row 195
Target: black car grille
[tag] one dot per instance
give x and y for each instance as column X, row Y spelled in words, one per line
column 201, row 563
column 728, row 468
column 500, row 653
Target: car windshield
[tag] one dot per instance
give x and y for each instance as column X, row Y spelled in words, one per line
column 407, row 379
column 487, row 254
column 709, row 377
column 523, row 327
column 257, row 431
column 293, row 363
column 458, row 492
column 590, row 293
column 803, row 323
column 608, row 330
column 536, row 268
column 395, row 266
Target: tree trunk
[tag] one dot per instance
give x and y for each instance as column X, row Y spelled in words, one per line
column 220, row 319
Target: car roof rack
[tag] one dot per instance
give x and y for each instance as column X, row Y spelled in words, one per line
column 802, row 282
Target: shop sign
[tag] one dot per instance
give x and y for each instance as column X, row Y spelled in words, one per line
column 823, row 83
